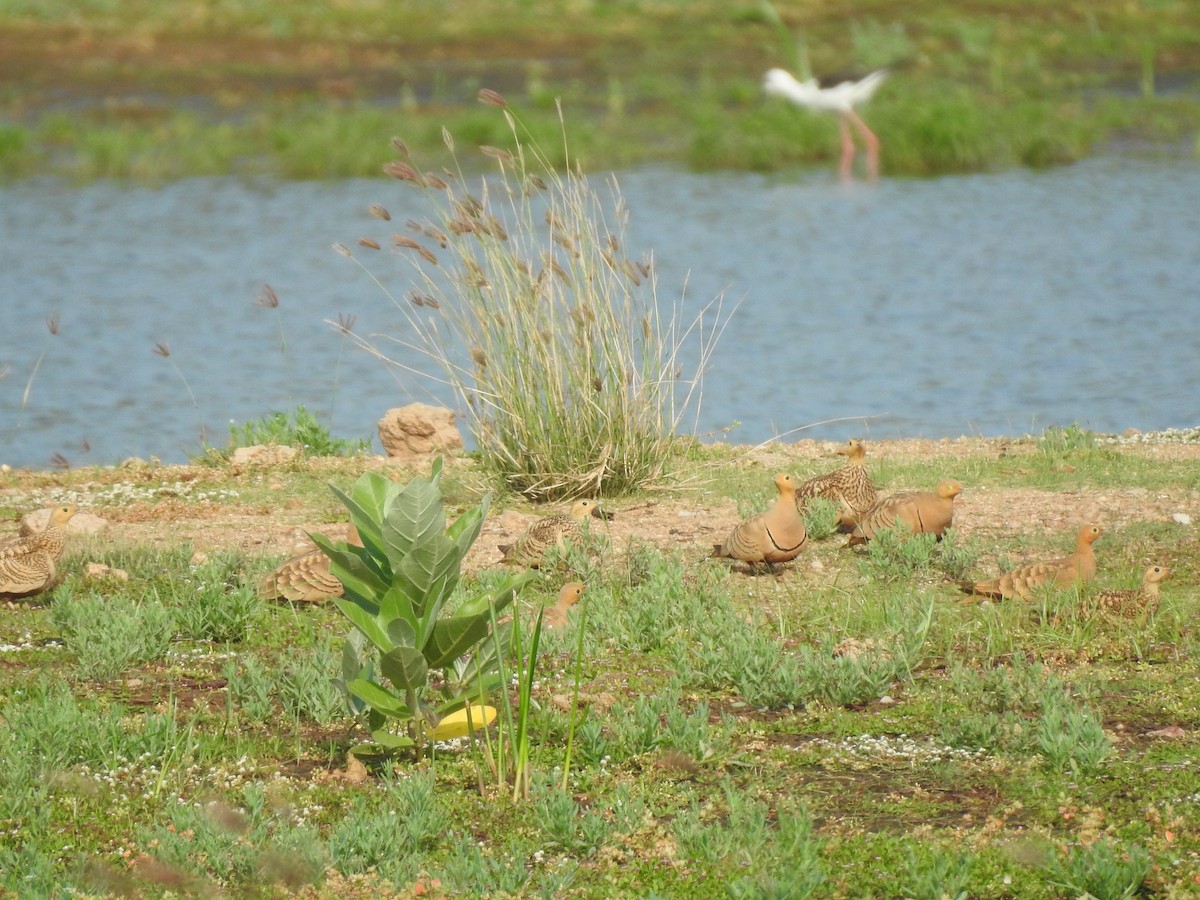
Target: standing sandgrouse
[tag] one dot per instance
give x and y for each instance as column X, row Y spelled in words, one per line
column 27, row 564
column 552, row 531
column 923, row 512
column 1138, row 603
column 850, row 486
column 1077, row 567
column 774, row 536
column 554, row 617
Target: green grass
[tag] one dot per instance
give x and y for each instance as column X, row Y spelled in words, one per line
column 732, row 738
column 648, row 82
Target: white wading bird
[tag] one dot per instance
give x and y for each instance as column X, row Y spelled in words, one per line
column 841, row 98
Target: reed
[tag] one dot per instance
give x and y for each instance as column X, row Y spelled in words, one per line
column 163, row 349
column 527, row 304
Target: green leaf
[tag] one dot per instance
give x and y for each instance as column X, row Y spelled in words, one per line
column 395, row 605
column 352, row 655
column 379, row 698
column 402, row 634
column 361, row 505
column 405, row 668
column 452, row 637
column 368, row 624
column 385, row 744
column 502, row 595
column 392, row 741
column 414, row 517
column 349, row 565
column 466, row 527
column 371, row 493
column 429, row 575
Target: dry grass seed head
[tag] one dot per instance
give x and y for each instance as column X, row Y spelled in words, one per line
column 491, row 98
column 380, row 212
column 267, row 298
column 402, row 171
column 399, row 144
column 496, row 153
column 368, row 242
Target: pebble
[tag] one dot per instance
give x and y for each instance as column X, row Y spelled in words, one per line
column 1167, row 436
column 1181, row 518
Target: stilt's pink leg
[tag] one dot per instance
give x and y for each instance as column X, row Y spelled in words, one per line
column 871, row 141
column 847, row 149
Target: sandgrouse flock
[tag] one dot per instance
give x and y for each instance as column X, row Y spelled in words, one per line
column 766, row 541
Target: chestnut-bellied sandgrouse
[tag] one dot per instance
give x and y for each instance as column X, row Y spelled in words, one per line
column 850, row 486
column 552, row 531
column 554, row 617
column 774, row 536
column 922, row 512
column 1137, row 603
column 1077, row 567
column 28, row 564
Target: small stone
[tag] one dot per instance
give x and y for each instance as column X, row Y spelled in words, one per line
column 1181, row 518
column 1170, row 731
column 100, row 570
column 886, row 700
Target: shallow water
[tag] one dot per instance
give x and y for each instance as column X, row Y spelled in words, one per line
column 980, row 304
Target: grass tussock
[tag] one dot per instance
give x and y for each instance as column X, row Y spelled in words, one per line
column 527, row 302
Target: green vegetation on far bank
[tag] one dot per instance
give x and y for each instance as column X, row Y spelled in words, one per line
column 175, row 89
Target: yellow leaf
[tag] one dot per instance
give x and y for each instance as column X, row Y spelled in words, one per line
column 455, row 724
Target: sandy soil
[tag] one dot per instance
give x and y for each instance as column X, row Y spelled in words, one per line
column 689, row 518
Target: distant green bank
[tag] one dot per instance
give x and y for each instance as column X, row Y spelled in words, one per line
column 158, row 90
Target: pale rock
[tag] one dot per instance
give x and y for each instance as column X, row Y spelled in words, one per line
column 100, row 570
column 1181, row 518
column 419, row 430
column 263, row 455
